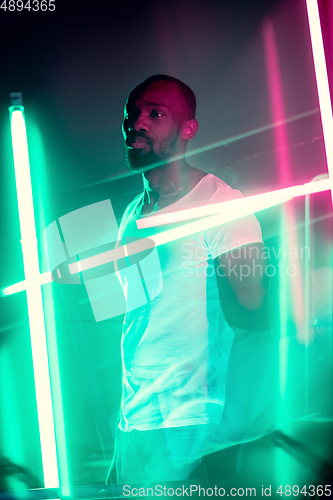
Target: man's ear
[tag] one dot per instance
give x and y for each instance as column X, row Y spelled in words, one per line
column 190, row 129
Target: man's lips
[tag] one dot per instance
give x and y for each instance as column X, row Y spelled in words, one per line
column 137, row 142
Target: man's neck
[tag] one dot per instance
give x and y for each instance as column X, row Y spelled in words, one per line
column 168, row 183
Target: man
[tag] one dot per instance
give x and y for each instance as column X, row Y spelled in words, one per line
column 176, row 346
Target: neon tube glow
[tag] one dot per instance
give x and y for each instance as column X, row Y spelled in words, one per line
column 263, row 199
column 322, row 82
column 21, row 285
column 244, row 206
column 34, row 296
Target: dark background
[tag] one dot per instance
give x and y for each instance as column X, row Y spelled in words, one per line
column 75, row 67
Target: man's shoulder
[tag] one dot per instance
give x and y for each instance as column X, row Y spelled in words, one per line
column 131, row 208
column 213, row 180
column 135, row 202
column 216, row 188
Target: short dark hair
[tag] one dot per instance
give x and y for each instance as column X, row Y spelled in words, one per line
column 186, row 93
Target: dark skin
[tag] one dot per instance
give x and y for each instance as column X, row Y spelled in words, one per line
column 243, row 298
column 158, row 116
column 157, row 128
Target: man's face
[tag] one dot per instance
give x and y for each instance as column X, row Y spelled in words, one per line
column 152, row 125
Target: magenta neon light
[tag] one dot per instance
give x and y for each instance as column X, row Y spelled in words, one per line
column 325, row 104
column 249, row 206
column 279, row 196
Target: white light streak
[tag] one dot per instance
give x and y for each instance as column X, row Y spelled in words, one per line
column 21, row 285
column 322, row 82
column 34, row 296
column 280, row 196
column 240, row 208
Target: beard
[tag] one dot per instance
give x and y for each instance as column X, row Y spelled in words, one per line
column 140, row 160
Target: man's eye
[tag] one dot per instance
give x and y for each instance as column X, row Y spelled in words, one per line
column 156, row 114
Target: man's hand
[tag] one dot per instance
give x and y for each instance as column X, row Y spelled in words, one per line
column 242, row 283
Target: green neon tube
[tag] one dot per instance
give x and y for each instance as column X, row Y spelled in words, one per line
column 34, row 296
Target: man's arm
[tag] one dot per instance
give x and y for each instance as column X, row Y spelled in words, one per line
column 242, row 284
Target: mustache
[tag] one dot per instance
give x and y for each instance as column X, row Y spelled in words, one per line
column 133, row 136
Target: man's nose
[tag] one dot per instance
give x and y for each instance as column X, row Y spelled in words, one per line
column 140, row 124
